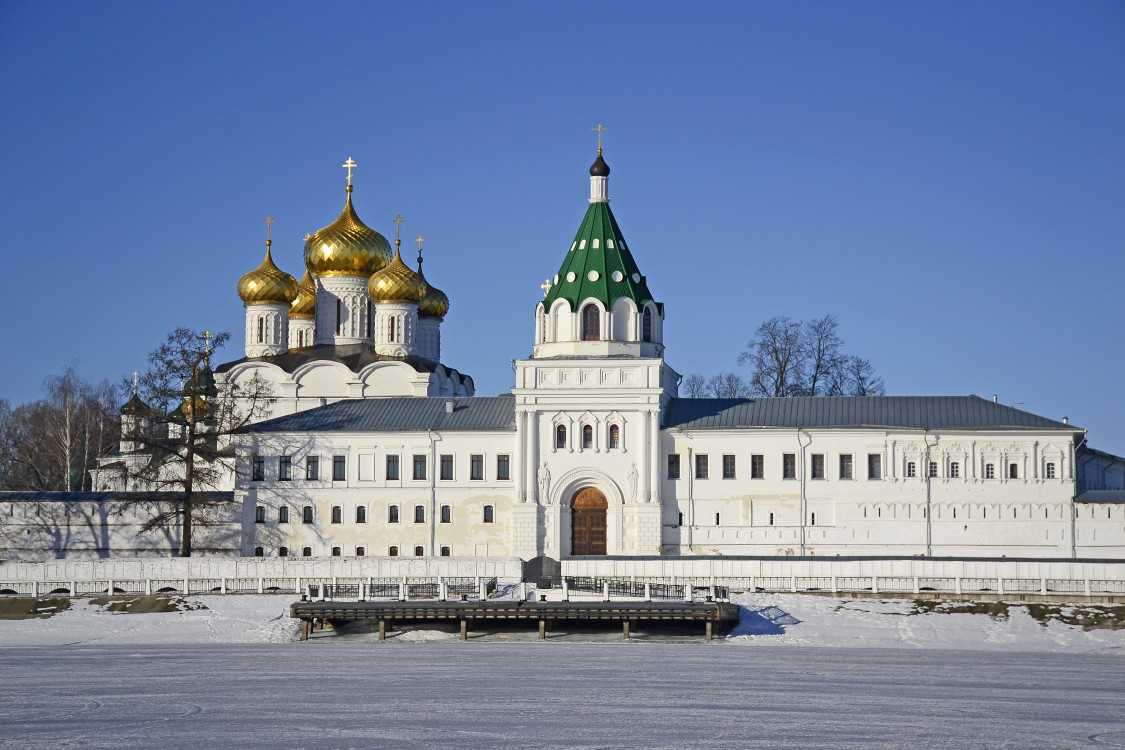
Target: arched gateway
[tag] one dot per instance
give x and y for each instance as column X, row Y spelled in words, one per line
column 587, row 522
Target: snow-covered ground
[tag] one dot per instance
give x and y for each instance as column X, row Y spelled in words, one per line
column 229, row 673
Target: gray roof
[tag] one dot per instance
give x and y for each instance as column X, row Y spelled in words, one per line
column 1101, row 496
column 99, row 497
column 404, row 414
column 901, row 412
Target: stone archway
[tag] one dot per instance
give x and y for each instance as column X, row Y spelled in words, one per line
column 588, row 522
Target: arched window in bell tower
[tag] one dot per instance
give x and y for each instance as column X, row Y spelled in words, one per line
column 391, row 322
column 560, row 436
column 646, row 325
column 591, row 323
column 261, row 329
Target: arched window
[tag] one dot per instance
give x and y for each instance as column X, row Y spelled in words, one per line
column 646, row 325
column 614, row 436
column 283, row 514
column 283, row 552
column 260, row 514
column 361, row 514
column 261, row 329
column 300, row 338
column 306, row 551
column 419, row 514
column 335, row 551
column 393, row 552
column 391, row 328
column 587, row 436
column 337, row 514
column 560, row 436
column 368, row 318
column 489, row 514
column 307, row 514
column 360, row 551
column 445, row 552
column 591, row 323
column 418, row 551
column 339, row 319
column 446, row 514
column 259, row 552
column 392, row 514
column 1013, row 471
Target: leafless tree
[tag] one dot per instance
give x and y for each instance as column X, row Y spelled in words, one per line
column 727, row 385
column 694, row 386
column 187, row 426
column 774, row 355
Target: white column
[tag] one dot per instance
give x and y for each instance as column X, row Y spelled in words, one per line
column 646, row 456
column 654, row 463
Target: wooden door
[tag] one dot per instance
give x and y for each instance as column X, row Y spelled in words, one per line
column 587, row 523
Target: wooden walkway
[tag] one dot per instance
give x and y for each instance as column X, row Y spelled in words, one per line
column 714, row 616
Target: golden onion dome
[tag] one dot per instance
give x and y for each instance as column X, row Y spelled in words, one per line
column 435, row 304
column 346, row 247
column 304, row 306
column 396, row 283
column 267, row 284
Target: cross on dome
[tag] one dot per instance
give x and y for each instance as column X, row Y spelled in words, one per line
column 398, row 226
column 546, row 287
column 599, row 130
column 349, row 165
column 270, row 221
column 136, row 381
column 207, row 342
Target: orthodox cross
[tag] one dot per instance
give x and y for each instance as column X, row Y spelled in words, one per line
column 349, row 165
column 269, row 226
column 398, row 226
column 307, row 236
column 419, row 239
column 599, row 129
column 136, row 381
column 207, row 342
column 546, row 287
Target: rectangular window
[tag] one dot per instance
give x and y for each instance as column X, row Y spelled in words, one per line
column 818, row 466
column 419, row 514
column 392, row 514
column 446, row 467
column 392, row 467
column 257, row 469
column 673, row 465
column 1013, row 471
column 419, row 466
column 447, row 514
column 933, row 468
column 476, row 467
column 789, row 466
column 989, row 471
column 874, row 466
column 503, row 467
column 954, row 469
column 701, row 466
column 911, row 469
column 757, row 466
column 285, row 468
column 847, row 470
column 312, row 467
column 728, row 466
column 339, row 468
column 1050, row 470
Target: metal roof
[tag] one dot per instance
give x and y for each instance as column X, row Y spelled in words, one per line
column 404, row 414
column 1101, row 496
column 901, row 412
column 99, row 497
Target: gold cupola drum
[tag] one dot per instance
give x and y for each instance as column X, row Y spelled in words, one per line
column 396, row 292
column 267, row 292
column 431, row 311
column 302, row 313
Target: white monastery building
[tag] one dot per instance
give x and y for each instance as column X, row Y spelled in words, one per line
column 376, row 448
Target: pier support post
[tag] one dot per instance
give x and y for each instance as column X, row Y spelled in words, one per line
column 709, row 630
column 625, row 629
column 464, row 629
column 306, row 626
column 542, row 629
column 382, row 630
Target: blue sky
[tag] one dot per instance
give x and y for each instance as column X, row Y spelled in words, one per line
column 946, row 178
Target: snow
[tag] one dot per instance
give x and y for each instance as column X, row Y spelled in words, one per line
column 798, row 672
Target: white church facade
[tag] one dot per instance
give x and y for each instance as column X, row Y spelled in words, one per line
column 374, row 447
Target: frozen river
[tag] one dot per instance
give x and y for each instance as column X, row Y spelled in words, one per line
column 548, row 695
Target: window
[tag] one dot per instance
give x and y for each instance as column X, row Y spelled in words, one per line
column 261, row 330
column 446, row 514
column 259, row 552
column 771, row 518
column 989, row 471
column 503, row 467
column 614, row 436
column 701, row 466
column 337, row 514
column 445, row 552
column 260, row 514
column 728, row 466
column 339, row 467
column 954, row 469
column 560, row 436
column 335, row 551
column 392, row 552
column 257, row 469
column 818, row 466
column 392, row 467
column 673, row 465
column 361, row 514
column 368, row 318
column 392, row 514
column 874, row 466
column 813, row 519
column 933, row 468
column 446, row 467
column 646, row 325
column 339, row 320
column 419, row 514
column 391, row 328
column 283, row 552
column 717, row 519
column 307, row 514
column 476, row 467
column 419, row 466
column 911, row 469
column 1013, row 471
column 306, row 551
column 757, row 466
column 847, row 470
column 285, row 468
column 489, row 514
column 587, row 436
column 1050, row 473
column 591, row 323
column 680, row 519
column 789, row 466
column 360, row 551
column 283, row 514
column 418, row 551
column 312, row 467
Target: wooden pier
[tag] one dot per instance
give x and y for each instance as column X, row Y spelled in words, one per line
column 715, row 617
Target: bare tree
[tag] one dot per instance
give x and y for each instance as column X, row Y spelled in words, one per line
column 694, row 386
column 796, row 358
column 727, row 385
column 186, row 427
